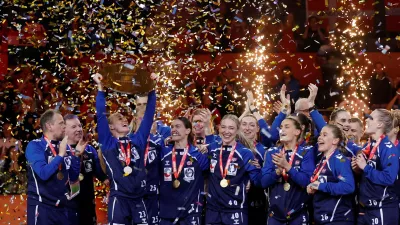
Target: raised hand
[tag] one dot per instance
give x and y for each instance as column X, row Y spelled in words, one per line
column 80, row 147
column 313, row 94
column 277, row 106
column 98, row 78
column 62, row 151
column 250, row 98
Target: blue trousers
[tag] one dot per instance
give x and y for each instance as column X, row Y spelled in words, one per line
column 194, row 219
column 226, row 218
column 123, row 211
column 152, row 205
column 51, row 215
column 382, row 216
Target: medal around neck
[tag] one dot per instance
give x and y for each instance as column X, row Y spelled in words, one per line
column 286, row 186
column 176, row 183
column 127, row 170
column 224, row 183
column 81, row 177
column 60, row 175
column 127, row 78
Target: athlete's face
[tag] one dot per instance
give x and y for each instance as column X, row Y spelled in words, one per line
column 119, row 124
column 326, row 140
column 355, row 131
column 288, row 132
column 73, row 129
column 228, row 131
column 249, row 127
column 372, row 123
column 198, row 125
column 57, row 127
column 343, row 121
column 179, row 131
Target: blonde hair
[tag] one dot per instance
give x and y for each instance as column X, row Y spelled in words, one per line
column 396, row 120
column 239, row 135
column 385, row 117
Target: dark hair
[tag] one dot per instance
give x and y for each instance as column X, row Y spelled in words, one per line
column 188, row 125
column 335, row 113
column 338, row 133
column 312, row 17
column 70, row 117
column 47, row 117
column 287, row 68
column 308, row 128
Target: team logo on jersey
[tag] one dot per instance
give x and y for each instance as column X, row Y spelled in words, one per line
column 323, row 179
column 214, row 155
column 232, row 169
column 234, row 159
column 188, row 174
column 167, row 174
column 372, row 163
column 297, row 162
column 213, row 163
column 135, row 154
column 152, row 156
column 67, row 162
column 88, row 165
column 167, row 163
column 85, row 156
column 323, row 171
column 189, row 163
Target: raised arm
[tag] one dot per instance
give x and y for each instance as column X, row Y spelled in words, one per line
column 140, row 137
column 393, row 101
column 103, row 129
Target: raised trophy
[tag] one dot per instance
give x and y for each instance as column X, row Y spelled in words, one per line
column 126, row 78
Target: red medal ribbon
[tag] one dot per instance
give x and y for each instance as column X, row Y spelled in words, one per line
column 146, row 152
column 52, row 150
column 396, row 143
column 224, row 172
column 367, row 150
column 126, row 153
column 318, row 170
column 284, row 174
column 176, row 173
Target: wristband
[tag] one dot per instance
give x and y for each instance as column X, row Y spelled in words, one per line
column 312, row 108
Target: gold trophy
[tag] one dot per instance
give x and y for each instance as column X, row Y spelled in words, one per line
column 126, row 78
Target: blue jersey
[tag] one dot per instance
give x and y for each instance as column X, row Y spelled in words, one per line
column 286, row 205
column 153, row 164
column 256, row 195
column 240, row 170
column 89, row 168
column 43, row 185
column 377, row 180
column 163, row 130
column 133, row 185
column 319, row 122
column 333, row 202
column 188, row 198
column 269, row 136
column 397, row 182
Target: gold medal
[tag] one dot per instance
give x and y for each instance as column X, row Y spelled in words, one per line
column 176, row 183
column 286, row 186
column 81, row 177
column 127, row 170
column 224, row 183
column 60, row 175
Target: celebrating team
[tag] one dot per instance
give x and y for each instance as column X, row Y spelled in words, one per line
column 311, row 172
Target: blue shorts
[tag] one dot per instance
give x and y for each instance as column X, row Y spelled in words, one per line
column 194, row 219
column 152, row 205
column 300, row 219
column 383, row 216
column 226, row 218
column 49, row 215
column 123, row 211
